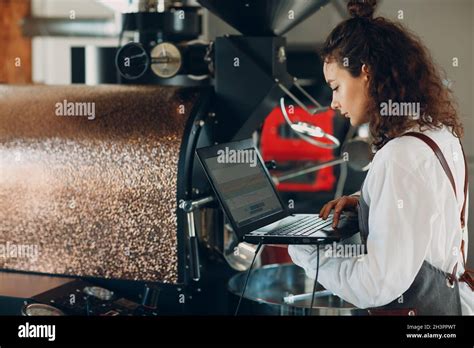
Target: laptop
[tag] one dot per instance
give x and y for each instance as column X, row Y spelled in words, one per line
column 251, row 202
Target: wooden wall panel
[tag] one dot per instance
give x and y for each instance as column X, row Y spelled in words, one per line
column 12, row 44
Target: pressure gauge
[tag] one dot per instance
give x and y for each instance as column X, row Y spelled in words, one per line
column 98, row 292
column 132, row 61
column 166, row 60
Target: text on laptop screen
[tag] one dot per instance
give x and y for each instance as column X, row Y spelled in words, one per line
column 245, row 189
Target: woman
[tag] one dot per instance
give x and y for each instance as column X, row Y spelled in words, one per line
column 409, row 215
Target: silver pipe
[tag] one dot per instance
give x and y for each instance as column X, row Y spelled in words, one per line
column 200, row 202
column 190, row 205
column 302, row 297
column 319, row 108
column 295, row 98
column 191, row 226
column 306, row 94
column 299, row 172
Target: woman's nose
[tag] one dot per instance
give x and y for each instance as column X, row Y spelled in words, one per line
column 334, row 104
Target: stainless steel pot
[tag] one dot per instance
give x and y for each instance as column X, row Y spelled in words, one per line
column 269, row 285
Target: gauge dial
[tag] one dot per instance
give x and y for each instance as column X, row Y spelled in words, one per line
column 39, row 309
column 98, row 292
column 132, row 61
column 166, row 60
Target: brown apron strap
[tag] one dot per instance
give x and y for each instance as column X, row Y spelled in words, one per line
column 465, row 277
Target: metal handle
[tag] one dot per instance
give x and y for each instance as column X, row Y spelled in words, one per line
column 189, row 207
column 303, row 130
column 194, row 259
column 193, row 248
column 302, row 297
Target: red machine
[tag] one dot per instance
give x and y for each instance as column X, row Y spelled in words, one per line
column 279, row 143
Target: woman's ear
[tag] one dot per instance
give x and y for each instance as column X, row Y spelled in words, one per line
column 365, row 72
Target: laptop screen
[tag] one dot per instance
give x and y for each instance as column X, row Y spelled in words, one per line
column 243, row 185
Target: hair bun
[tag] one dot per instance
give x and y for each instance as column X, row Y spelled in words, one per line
column 361, row 8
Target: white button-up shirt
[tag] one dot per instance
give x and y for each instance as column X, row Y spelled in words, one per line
column 413, row 216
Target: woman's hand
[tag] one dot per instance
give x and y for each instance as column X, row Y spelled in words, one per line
column 344, row 203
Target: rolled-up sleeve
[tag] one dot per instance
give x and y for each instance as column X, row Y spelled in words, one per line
column 403, row 211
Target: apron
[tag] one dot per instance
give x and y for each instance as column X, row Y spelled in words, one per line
column 433, row 292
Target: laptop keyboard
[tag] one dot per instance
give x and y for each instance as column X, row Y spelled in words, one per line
column 303, row 227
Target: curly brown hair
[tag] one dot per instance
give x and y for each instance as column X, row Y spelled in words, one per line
column 401, row 69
